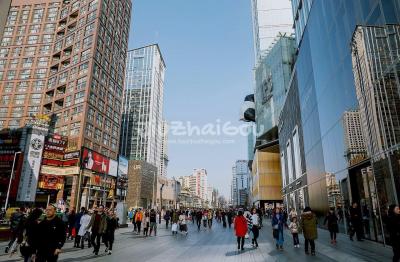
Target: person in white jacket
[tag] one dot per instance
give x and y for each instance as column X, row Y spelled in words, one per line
column 84, row 232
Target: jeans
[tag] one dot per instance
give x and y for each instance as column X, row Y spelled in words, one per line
column 256, row 233
column 295, row 239
column 166, row 223
column 279, row 240
column 198, row 221
column 240, row 241
column 109, row 240
column 210, row 223
column 312, row 244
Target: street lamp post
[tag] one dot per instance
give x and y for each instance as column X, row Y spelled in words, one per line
column 161, row 188
column 11, row 178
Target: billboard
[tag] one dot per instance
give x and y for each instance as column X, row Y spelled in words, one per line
column 59, row 171
column 113, row 169
column 122, row 166
column 51, row 182
column 94, row 161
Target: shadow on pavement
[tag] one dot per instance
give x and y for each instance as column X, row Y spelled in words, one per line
column 237, row 252
column 83, row 258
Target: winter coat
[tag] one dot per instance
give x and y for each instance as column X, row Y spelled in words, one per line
column 52, row 235
column 101, row 227
column 394, row 230
column 308, row 224
column 294, row 227
column 240, row 225
column 139, row 216
column 332, row 220
column 278, row 222
column 84, row 222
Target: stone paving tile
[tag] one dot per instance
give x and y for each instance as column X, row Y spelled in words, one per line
column 219, row 245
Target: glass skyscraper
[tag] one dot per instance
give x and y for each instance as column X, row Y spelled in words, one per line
column 142, row 121
column 327, row 90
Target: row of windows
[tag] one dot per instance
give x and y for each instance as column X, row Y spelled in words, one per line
column 25, row 51
column 28, row 62
column 24, row 74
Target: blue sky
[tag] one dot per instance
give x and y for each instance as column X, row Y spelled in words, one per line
column 208, row 50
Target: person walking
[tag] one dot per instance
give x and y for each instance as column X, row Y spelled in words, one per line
column 223, row 218
column 294, row 229
column 77, row 225
column 153, row 222
column 138, row 219
column 355, row 222
column 210, row 218
column 51, row 236
column 84, row 231
column 255, row 228
column 112, row 225
column 71, row 224
column 240, row 227
column 332, row 220
column 278, row 223
column 199, row 216
column 146, row 223
column 394, row 230
column 205, row 218
column 230, row 217
column 167, row 217
column 308, row 225
column 30, row 240
column 17, row 221
column 98, row 225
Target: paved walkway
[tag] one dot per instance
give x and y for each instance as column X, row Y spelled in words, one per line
column 219, row 244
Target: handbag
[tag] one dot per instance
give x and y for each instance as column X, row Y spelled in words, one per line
column 247, row 235
column 25, row 249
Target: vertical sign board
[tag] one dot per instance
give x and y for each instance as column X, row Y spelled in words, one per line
column 31, row 167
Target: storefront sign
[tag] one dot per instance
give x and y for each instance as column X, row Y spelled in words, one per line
column 60, row 171
column 95, row 161
column 50, row 182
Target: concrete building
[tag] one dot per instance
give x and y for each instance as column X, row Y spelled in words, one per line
column 196, row 183
column 66, row 60
column 142, row 184
column 142, row 123
column 171, row 188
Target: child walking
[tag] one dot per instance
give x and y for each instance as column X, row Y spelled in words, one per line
column 294, row 229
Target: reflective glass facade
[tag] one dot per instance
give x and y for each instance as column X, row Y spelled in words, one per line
column 327, row 91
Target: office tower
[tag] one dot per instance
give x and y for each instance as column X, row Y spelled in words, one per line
column 141, row 132
column 270, row 17
column 375, row 56
column 356, row 150
column 240, row 183
column 201, row 184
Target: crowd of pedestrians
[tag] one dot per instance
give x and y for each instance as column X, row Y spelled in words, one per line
column 40, row 234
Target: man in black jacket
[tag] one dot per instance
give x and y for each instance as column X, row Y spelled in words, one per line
column 356, row 222
column 52, row 236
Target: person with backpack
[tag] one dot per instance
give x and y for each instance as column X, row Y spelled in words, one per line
column 16, row 227
column 308, row 225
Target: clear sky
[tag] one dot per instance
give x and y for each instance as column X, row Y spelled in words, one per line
column 207, row 46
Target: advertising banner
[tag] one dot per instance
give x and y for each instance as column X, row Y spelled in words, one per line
column 50, row 182
column 113, row 169
column 31, row 167
column 122, row 166
column 95, row 161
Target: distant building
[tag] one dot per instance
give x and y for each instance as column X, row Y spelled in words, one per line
column 240, row 183
column 354, row 141
column 197, row 183
column 142, row 121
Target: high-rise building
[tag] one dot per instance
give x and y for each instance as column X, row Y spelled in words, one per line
column 142, row 123
column 327, row 88
column 270, row 18
column 240, row 183
column 66, row 59
column 354, row 141
column 196, row 183
column 164, row 150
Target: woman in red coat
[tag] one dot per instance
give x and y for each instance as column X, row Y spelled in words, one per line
column 240, row 226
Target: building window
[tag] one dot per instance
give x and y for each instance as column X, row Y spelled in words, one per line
column 32, row 39
column 283, row 168
column 79, row 97
column 89, row 130
column 97, row 134
column 290, row 162
column 296, row 152
column 83, row 68
column 75, row 127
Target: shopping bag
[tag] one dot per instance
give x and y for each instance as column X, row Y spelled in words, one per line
column 174, row 227
column 73, row 232
column 247, row 235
